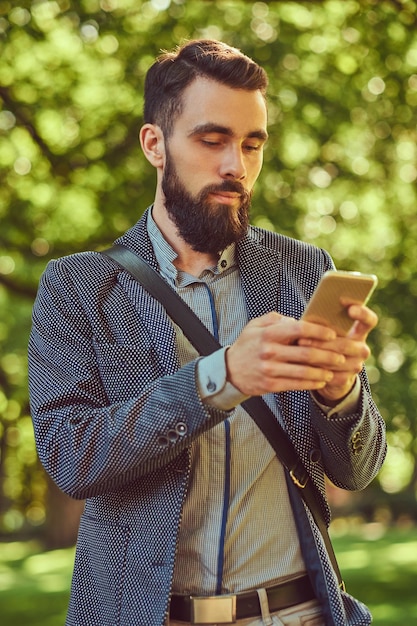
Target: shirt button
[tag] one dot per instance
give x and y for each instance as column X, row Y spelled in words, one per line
column 223, row 263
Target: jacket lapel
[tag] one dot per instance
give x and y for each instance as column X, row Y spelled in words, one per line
column 151, row 312
column 259, row 266
column 137, row 239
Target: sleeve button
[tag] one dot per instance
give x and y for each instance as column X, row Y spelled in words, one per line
column 172, row 434
column 163, row 441
column 181, row 429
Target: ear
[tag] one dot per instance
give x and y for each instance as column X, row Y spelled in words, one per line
column 153, row 145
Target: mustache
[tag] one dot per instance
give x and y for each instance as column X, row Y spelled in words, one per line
column 227, row 185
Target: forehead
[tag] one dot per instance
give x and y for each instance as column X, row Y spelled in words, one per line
column 206, row 101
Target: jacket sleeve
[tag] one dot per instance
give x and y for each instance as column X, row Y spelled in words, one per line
column 353, row 446
column 105, row 409
column 349, row 449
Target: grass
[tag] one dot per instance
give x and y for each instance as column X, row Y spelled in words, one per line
column 34, row 585
column 379, row 567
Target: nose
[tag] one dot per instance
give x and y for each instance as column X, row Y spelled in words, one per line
column 233, row 164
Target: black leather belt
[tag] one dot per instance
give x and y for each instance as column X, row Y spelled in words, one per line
column 229, row 608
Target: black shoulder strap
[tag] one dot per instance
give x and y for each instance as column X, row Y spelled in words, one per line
column 205, row 343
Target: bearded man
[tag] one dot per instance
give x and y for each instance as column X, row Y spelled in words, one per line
column 190, row 517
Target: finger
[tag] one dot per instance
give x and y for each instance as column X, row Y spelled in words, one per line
column 287, row 330
column 317, row 367
column 294, row 384
column 294, row 377
column 341, row 379
column 346, row 346
column 365, row 321
column 316, row 356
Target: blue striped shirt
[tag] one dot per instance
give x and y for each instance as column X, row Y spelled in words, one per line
column 237, row 530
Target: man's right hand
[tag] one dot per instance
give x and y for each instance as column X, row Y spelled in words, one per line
column 266, row 357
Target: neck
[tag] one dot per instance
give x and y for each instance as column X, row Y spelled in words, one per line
column 188, row 260
column 194, row 263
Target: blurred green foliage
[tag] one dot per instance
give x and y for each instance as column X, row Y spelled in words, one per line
column 340, row 171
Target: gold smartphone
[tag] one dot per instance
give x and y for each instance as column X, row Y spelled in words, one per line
column 325, row 306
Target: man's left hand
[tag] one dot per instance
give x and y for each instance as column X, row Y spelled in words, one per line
column 353, row 347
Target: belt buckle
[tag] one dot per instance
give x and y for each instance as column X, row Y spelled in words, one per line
column 213, row 609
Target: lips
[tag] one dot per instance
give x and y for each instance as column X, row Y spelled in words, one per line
column 227, row 197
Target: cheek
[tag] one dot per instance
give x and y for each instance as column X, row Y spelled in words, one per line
column 196, row 174
column 254, row 171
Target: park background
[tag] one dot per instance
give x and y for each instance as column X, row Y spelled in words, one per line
column 340, row 172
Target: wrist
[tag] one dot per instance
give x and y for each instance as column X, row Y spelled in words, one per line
column 330, row 400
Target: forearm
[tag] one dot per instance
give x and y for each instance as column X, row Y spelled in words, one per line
column 89, row 448
column 353, row 444
column 351, row 433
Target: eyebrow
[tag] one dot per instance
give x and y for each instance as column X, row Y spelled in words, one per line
column 209, row 127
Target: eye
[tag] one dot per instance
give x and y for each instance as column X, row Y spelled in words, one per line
column 210, row 142
column 252, row 147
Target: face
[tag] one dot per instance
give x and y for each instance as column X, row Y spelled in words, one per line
column 212, row 160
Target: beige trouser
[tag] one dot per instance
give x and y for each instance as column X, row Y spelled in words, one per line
column 305, row 614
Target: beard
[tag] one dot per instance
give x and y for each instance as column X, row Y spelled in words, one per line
column 206, row 226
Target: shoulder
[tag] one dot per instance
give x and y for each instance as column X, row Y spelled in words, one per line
column 288, row 248
column 81, row 267
column 84, row 276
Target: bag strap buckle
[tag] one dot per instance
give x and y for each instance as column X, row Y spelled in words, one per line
column 299, row 478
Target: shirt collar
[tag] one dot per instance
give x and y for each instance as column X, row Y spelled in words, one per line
column 166, row 255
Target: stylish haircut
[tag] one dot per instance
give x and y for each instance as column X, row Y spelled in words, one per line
column 173, row 71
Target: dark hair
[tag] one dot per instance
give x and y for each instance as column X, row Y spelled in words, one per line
column 172, row 72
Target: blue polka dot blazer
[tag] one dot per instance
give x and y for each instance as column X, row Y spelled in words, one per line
column 106, row 389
